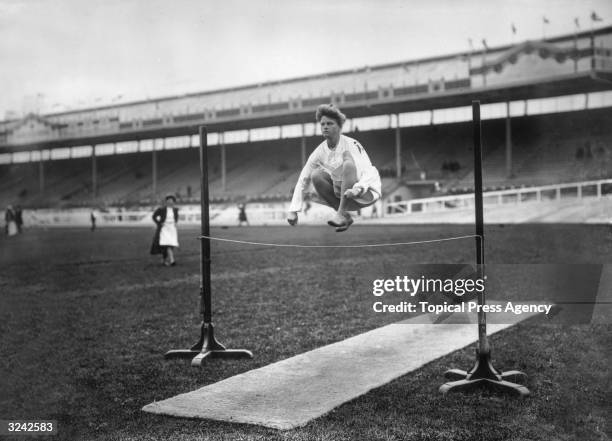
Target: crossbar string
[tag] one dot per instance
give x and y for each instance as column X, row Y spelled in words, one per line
column 221, row 239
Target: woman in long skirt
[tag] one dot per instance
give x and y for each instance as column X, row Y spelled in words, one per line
column 166, row 237
column 10, row 221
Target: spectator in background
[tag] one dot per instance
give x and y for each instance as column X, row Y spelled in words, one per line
column 93, row 216
column 588, row 153
column 340, row 171
column 242, row 216
column 10, row 226
column 19, row 218
column 166, row 236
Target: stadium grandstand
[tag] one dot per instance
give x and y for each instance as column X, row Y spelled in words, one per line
column 546, row 106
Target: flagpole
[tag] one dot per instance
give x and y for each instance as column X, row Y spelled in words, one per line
column 470, row 53
column 576, row 29
column 545, row 21
column 593, row 15
column 484, row 62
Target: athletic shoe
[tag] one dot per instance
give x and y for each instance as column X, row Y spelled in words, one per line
column 339, row 220
column 346, row 226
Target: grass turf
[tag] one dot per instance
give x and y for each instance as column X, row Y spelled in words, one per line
column 85, row 318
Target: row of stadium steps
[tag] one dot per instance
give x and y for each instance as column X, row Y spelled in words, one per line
column 114, row 175
column 14, row 181
column 494, row 174
column 432, row 147
column 178, row 173
column 572, row 146
column 60, row 178
column 252, row 169
column 546, row 150
column 133, row 170
column 554, row 157
column 557, row 161
column 284, row 185
column 73, row 179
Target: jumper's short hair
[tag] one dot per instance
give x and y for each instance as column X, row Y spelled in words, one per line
column 171, row 196
column 330, row 111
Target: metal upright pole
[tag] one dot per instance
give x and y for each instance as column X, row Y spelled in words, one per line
column 478, row 207
column 207, row 346
column 205, row 289
column 483, row 372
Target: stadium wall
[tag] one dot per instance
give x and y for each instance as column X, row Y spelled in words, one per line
column 581, row 202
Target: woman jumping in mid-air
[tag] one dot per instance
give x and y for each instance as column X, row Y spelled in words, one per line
column 340, row 171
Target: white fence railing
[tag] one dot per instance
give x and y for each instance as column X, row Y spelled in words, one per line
column 270, row 214
column 275, row 213
column 557, row 192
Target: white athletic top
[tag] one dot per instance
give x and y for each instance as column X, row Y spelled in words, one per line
column 329, row 160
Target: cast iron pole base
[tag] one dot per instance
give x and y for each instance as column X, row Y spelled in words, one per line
column 484, row 374
column 207, row 347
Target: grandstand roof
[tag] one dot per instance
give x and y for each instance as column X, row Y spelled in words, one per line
column 569, row 84
column 548, row 42
column 466, row 85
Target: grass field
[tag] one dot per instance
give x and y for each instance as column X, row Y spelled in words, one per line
column 86, row 317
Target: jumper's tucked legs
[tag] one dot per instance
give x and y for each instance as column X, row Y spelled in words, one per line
column 349, row 178
column 324, row 186
column 335, row 191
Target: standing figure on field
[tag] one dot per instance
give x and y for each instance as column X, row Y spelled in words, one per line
column 166, row 237
column 19, row 218
column 10, row 224
column 242, row 216
column 92, row 217
column 340, row 171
